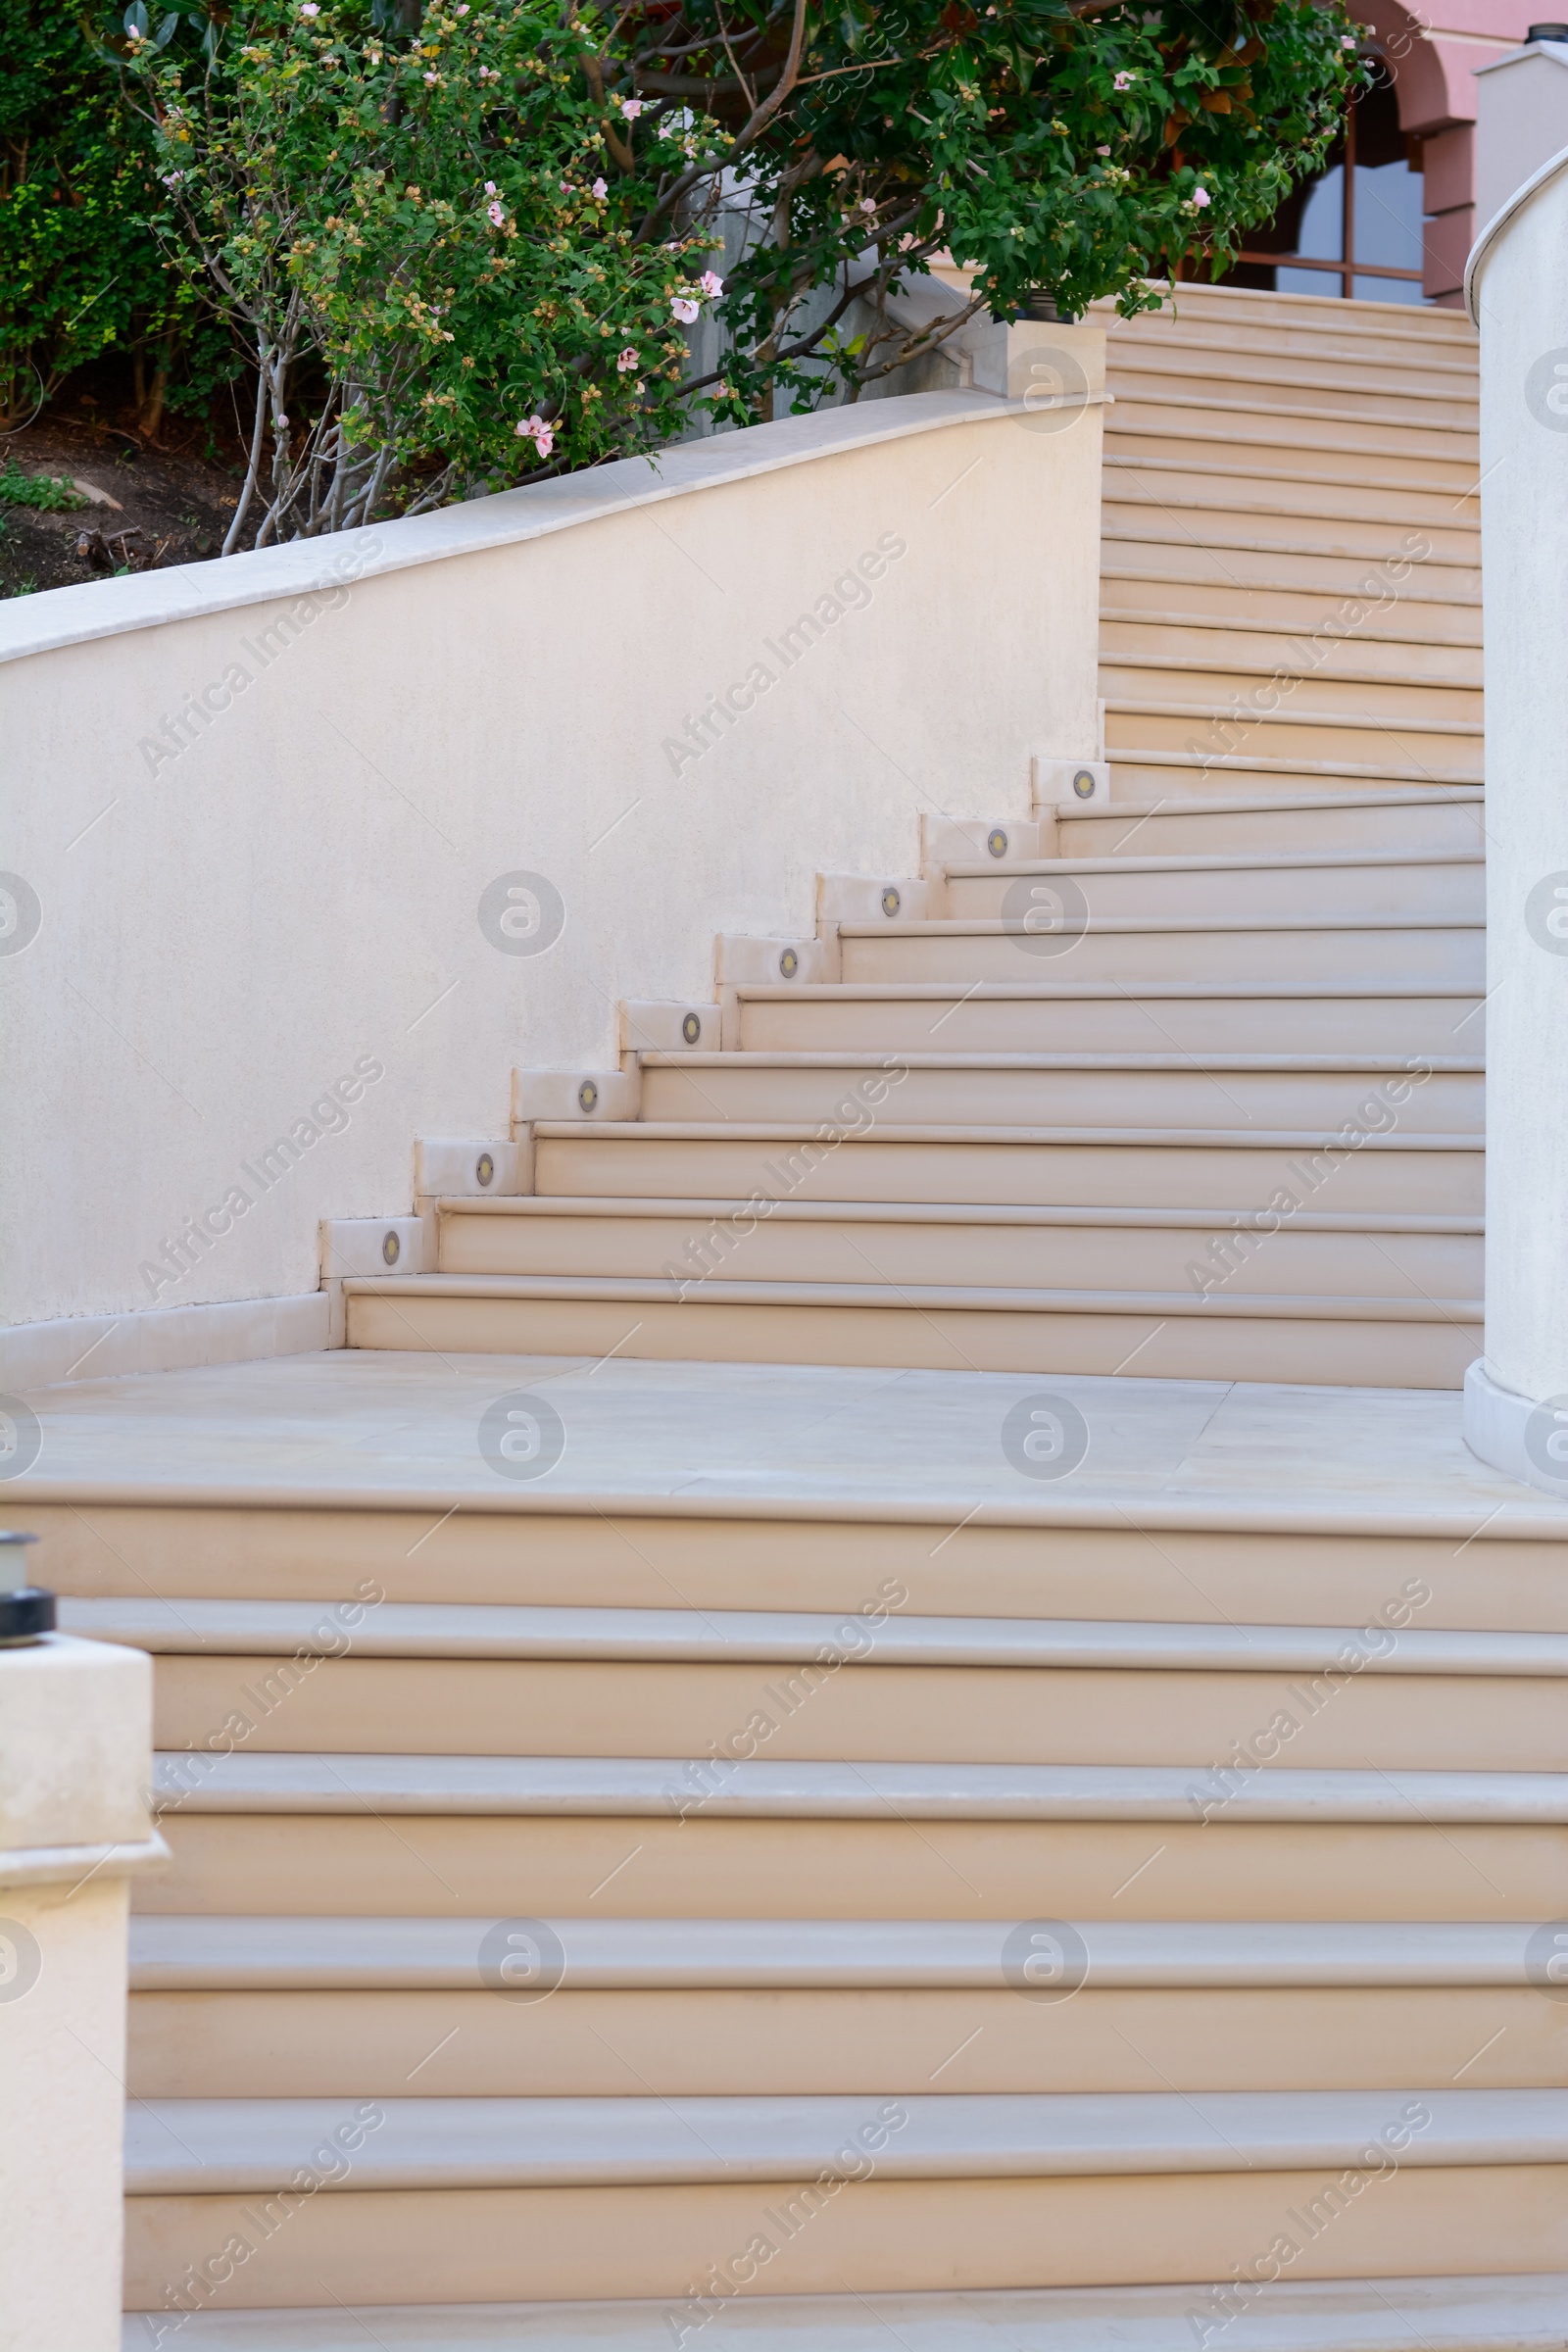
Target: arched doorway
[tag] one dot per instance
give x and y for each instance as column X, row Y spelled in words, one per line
column 1357, row 229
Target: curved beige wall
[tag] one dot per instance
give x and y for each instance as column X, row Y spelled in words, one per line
column 233, row 926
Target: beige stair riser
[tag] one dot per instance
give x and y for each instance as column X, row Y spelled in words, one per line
column 504, row 2245
column 1237, row 559
column 1432, row 1265
column 1437, row 893
column 1290, row 389
column 1451, row 554
column 1285, row 832
column 1246, row 1178
column 1273, row 446
column 1116, row 1024
column 1179, row 774
column 1148, row 407
column 1444, row 1102
column 1242, row 484
column 953, row 1565
column 723, row 2043
column 1430, row 958
column 439, row 1865
column 1280, row 679
column 1353, row 340
column 952, row 1714
column 1211, row 1346
column 1156, row 584
column 1316, row 654
column 1223, row 730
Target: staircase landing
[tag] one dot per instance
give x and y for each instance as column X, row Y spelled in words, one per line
column 354, row 1427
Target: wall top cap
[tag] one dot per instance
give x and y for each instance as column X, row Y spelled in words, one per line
column 1543, row 40
column 1499, row 221
column 328, row 566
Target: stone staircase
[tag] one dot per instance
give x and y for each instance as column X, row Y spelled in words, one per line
column 743, row 1820
column 1181, row 1074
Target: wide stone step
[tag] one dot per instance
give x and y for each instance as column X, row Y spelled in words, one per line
column 336, row 1842
column 1378, row 396
column 1335, row 1715
column 1341, row 824
column 1054, row 894
column 1145, row 404
column 684, row 1241
column 1292, row 735
column 1161, row 585
column 1191, row 440
column 1412, row 948
column 241, row 2007
column 1400, row 1341
column 1525, row 2313
column 1330, row 670
column 1145, row 772
column 1069, row 1016
column 1271, row 563
column 570, row 2197
column 1388, row 1171
column 1147, row 1092
column 1251, row 485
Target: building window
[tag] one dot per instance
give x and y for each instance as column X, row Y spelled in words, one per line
column 1357, row 229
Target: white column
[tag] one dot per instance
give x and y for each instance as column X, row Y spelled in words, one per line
column 76, row 1737
column 1516, row 1397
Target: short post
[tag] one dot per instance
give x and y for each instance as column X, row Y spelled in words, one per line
column 75, row 1740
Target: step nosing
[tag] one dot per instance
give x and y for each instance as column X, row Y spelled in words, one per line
column 446, row 1629
column 210, row 1952
column 685, row 1788
column 886, row 1296
column 194, row 2146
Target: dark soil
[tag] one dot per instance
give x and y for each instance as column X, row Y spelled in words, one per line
column 148, row 504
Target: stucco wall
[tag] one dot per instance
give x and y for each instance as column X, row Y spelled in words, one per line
column 264, row 921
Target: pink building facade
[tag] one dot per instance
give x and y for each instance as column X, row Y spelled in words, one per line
column 1431, row 60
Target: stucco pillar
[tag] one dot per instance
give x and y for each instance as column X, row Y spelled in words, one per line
column 75, row 1736
column 1516, row 1399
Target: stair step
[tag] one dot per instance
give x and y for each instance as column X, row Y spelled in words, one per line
column 1210, row 663
column 1292, row 389
column 1390, row 1172
column 1171, row 947
column 1525, row 2313
column 1145, row 405
column 1148, row 1090
column 1241, row 560
column 1190, row 592
column 1061, row 1250
column 198, row 1954
column 1073, row 1016
column 1145, row 772
column 1431, row 512
column 1273, row 457
column 1341, row 824
column 1435, row 885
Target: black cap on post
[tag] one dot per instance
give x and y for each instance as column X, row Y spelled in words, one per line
column 26, row 1611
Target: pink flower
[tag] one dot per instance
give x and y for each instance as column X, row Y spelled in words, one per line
column 600, row 189
column 1102, row 149
column 1201, row 199
column 432, row 80
column 542, row 435
column 488, row 73
column 626, row 362
column 631, row 108
column 497, row 215
column 543, row 441
column 1346, row 41
column 684, row 309
column 1123, row 81
column 869, row 204
column 307, row 7
column 713, row 286
column 489, row 187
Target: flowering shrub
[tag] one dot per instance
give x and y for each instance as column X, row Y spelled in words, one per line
column 468, row 245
